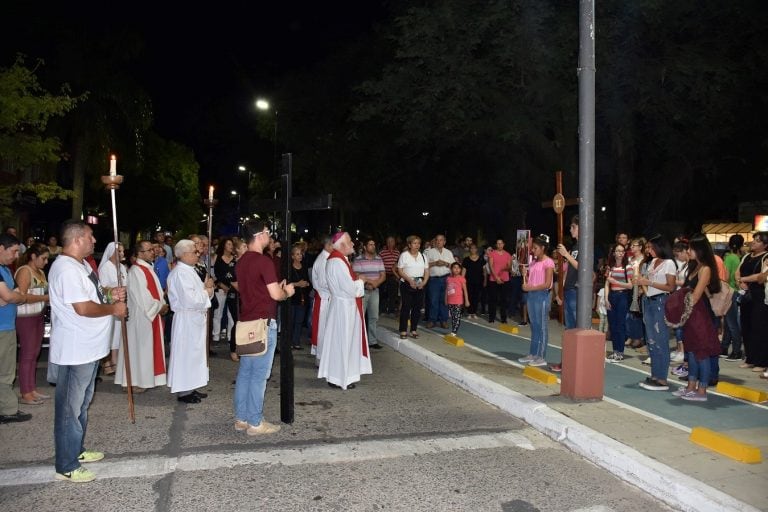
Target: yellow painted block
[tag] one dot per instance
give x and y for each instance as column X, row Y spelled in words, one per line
column 743, row 392
column 535, row 373
column 511, row 329
column 725, row 445
column 454, row 340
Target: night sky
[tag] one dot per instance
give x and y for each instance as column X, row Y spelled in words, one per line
column 202, row 65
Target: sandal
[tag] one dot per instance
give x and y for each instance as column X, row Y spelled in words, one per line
column 414, row 334
column 30, row 401
column 403, row 335
column 109, row 367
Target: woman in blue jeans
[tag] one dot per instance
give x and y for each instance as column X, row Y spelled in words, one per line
column 537, row 282
column 618, row 284
column 658, row 282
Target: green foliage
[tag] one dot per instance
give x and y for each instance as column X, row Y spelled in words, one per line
column 44, row 192
column 25, row 110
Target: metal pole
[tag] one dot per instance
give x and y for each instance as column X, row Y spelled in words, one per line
column 286, row 352
column 210, row 203
column 586, row 72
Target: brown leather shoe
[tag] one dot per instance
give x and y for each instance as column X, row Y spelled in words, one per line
column 444, row 325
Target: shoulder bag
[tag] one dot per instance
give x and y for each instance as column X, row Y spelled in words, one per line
column 251, row 337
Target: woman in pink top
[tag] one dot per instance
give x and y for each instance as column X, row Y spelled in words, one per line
column 537, row 281
column 456, row 296
column 499, row 264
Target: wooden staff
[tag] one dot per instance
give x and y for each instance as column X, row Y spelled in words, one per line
column 112, row 182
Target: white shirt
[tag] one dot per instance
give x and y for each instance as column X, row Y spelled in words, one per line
column 412, row 266
column 434, row 255
column 659, row 275
column 75, row 339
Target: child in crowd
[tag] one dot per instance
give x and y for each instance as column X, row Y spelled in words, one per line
column 456, row 296
column 537, row 282
column 602, row 311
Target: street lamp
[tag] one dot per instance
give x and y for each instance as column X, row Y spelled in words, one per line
column 236, row 193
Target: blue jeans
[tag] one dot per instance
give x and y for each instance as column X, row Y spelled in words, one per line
column 617, row 318
column 634, row 324
column 699, row 370
column 74, row 391
column 539, row 303
column 371, row 310
column 252, row 381
column 732, row 330
column 299, row 311
column 657, row 334
column 438, row 311
column 569, row 302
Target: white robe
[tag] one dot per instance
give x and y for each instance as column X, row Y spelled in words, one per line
column 187, row 368
column 342, row 360
column 142, row 309
column 321, row 290
column 108, row 278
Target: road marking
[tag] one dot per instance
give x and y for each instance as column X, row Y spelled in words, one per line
column 313, row 454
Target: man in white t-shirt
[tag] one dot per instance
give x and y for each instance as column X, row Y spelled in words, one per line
column 81, row 319
column 440, row 260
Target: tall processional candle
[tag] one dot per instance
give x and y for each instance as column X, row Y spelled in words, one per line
column 210, row 193
column 113, row 166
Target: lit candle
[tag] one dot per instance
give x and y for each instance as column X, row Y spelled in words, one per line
column 113, row 166
column 210, row 193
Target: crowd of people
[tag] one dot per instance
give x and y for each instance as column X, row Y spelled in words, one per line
column 647, row 293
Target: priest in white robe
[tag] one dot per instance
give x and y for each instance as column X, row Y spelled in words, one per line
column 190, row 299
column 344, row 356
column 322, row 296
column 144, row 326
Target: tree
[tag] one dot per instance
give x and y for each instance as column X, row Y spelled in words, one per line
column 25, row 110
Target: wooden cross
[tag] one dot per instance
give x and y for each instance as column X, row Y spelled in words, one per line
column 558, row 203
column 286, row 205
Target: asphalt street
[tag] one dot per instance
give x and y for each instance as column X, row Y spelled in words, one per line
column 404, row 439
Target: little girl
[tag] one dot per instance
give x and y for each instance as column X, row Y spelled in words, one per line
column 456, row 296
column 537, row 281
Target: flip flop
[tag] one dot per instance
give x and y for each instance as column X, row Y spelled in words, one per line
column 34, row 401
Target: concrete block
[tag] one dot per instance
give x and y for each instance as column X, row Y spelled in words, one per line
column 453, row 340
column 535, row 373
column 583, row 375
column 743, row 392
column 725, row 445
column 509, row 329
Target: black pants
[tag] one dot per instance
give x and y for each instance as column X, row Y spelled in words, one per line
column 388, row 297
column 497, row 295
column 410, row 307
column 231, row 305
column 475, row 291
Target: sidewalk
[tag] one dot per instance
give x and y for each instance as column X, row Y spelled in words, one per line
column 640, row 436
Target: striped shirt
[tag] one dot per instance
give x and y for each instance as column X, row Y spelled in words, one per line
column 389, row 257
column 622, row 275
column 368, row 267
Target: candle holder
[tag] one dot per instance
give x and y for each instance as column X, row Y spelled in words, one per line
column 210, row 203
column 112, row 182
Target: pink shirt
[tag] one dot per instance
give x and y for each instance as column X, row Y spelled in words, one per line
column 499, row 261
column 454, row 290
column 537, row 272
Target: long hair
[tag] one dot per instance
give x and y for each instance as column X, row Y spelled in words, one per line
column 701, row 247
column 661, row 247
column 222, row 243
column 612, row 257
column 36, row 249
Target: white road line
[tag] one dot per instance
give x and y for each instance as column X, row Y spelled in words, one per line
column 314, row 454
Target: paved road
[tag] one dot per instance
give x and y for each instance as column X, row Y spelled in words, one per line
column 403, row 440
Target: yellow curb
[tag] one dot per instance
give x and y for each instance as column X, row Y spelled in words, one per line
column 735, row 390
column 511, row 329
column 532, row 372
column 725, row 445
column 454, row 340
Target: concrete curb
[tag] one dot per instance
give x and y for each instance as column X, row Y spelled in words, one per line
column 669, row 485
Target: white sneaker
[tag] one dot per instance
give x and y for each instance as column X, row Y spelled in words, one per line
column 526, row 359
column 646, row 361
column 538, row 361
column 677, row 357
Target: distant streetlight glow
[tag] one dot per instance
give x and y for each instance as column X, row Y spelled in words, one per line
column 262, row 104
column 234, row 192
column 241, row 168
column 602, row 209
